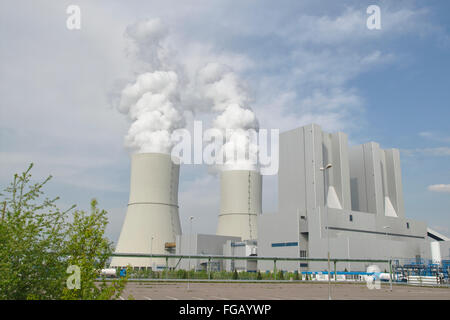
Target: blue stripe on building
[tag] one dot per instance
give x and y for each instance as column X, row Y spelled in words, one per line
column 285, row 244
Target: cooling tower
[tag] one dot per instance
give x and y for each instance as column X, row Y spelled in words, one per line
column 152, row 221
column 240, row 203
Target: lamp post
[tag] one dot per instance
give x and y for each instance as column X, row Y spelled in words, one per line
column 151, row 252
column 324, row 170
column 390, row 261
column 189, row 248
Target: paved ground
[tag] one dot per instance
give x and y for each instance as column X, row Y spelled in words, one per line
column 275, row 291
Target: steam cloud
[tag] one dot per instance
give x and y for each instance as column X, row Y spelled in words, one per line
column 156, row 101
column 228, row 97
column 152, row 102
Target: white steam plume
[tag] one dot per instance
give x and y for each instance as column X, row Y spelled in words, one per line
column 152, row 101
column 228, row 97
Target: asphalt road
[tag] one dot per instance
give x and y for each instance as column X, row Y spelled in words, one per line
column 275, row 291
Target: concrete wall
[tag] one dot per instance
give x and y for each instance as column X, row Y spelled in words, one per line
column 335, row 152
column 365, row 178
column 444, row 247
column 362, row 238
column 303, row 151
column 300, row 180
column 196, row 244
column 394, row 181
column 375, row 180
column 365, row 237
column 239, row 249
column 277, row 228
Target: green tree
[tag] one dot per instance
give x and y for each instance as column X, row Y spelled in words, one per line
column 37, row 244
column 89, row 249
column 235, row 275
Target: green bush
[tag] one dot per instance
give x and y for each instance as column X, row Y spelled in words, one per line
column 280, row 275
column 39, row 242
column 181, row 274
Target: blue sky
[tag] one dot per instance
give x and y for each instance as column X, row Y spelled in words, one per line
column 302, row 61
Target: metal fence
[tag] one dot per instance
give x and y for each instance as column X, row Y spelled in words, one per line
column 172, row 273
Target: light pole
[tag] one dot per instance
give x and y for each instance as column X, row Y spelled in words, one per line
column 324, row 170
column 189, row 249
column 390, row 261
column 151, row 252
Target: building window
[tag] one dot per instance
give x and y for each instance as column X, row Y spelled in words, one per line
column 407, row 225
column 303, row 254
column 285, row 244
column 238, row 244
column 351, row 218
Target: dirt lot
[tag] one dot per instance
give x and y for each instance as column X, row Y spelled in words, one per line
column 275, row 291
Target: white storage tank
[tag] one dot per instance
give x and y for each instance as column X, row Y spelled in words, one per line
column 435, row 252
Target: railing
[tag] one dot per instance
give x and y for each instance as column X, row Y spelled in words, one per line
column 209, row 258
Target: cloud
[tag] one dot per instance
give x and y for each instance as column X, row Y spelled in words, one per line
column 79, row 171
column 434, row 136
column 430, row 152
column 300, row 64
column 200, row 198
column 440, row 228
column 439, row 188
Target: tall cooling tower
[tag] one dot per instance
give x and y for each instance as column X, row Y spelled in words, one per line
column 152, row 221
column 240, row 203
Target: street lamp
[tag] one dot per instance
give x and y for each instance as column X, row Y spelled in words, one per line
column 390, row 261
column 189, row 247
column 328, row 166
column 151, row 252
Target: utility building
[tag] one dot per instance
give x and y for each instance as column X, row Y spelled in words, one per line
column 349, row 200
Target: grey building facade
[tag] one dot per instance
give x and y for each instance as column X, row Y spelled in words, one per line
column 331, row 198
column 355, row 207
column 202, row 244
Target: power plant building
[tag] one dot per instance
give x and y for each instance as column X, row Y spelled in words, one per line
column 331, row 198
column 347, row 199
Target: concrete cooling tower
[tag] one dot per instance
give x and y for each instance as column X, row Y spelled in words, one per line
column 152, row 221
column 240, row 203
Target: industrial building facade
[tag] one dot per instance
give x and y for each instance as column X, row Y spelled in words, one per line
column 332, row 198
column 354, row 207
